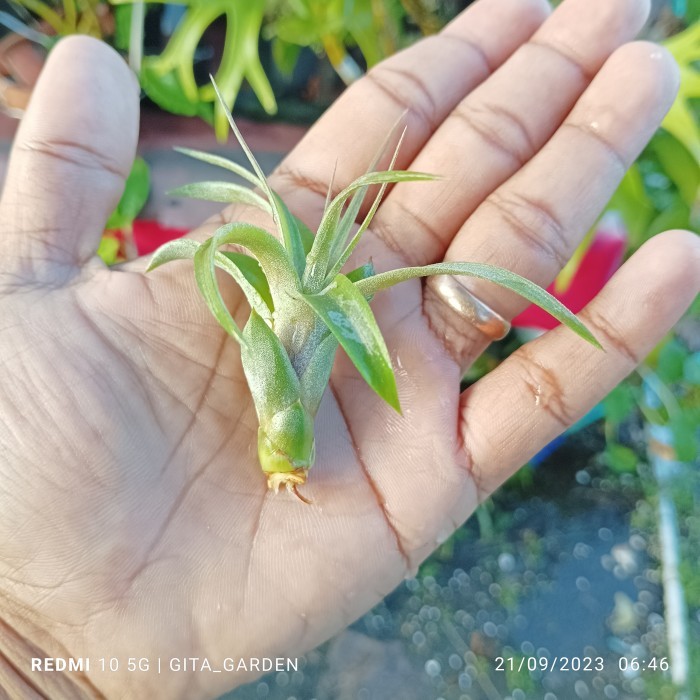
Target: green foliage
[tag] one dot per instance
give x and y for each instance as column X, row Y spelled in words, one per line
column 620, row 458
column 136, row 191
column 378, row 28
column 349, row 318
column 134, row 197
column 334, row 26
column 620, row 403
column 660, row 192
column 67, row 16
column 108, row 250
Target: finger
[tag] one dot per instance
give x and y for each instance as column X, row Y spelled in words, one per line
column 426, row 81
column 496, row 129
column 533, row 223
column 72, row 153
column 550, row 383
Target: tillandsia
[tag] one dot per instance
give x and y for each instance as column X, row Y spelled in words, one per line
column 303, row 307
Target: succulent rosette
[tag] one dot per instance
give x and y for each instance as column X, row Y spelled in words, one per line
column 303, row 307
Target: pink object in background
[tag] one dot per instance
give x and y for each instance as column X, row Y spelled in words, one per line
column 597, row 266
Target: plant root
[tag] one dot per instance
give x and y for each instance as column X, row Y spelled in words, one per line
column 291, row 480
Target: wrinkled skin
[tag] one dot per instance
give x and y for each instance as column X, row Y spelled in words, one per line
column 134, row 518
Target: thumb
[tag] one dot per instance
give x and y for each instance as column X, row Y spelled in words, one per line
column 71, row 156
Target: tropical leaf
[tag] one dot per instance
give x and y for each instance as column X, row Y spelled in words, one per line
column 524, row 287
column 349, row 318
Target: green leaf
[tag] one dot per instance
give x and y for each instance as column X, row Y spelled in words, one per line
column 634, row 205
column 286, row 223
column 166, row 91
column 345, row 255
column 244, row 270
column 206, row 281
column 226, row 192
column 307, row 235
column 691, row 369
column 290, row 234
column 676, row 214
column 122, row 26
column 679, row 164
column 285, row 56
column 315, row 377
column 319, row 259
column 136, row 190
column 685, row 441
column 251, row 270
column 361, row 273
column 108, row 249
column 619, row 403
column 220, row 162
column 670, row 362
column 273, row 383
column 281, row 276
column 620, row 458
column 249, row 154
column 348, row 316
column 498, row 275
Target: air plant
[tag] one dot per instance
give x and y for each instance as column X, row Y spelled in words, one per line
column 302, row 307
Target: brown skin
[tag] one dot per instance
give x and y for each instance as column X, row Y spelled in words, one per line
column 134, row 519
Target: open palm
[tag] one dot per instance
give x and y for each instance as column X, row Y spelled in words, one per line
column 134, row 519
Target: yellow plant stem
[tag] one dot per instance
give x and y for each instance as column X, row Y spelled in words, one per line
column 342, row 62
column 70, row 14
column 49, row 16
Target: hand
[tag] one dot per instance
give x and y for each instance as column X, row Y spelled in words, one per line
column 134, row 519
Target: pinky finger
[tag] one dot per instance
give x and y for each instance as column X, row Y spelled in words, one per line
column 548, row 384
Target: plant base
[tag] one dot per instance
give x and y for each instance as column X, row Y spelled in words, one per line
column 289, row 479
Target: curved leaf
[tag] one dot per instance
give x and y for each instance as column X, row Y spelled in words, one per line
column 220, row 162
column 281, row 276
column 251, row 270
column 226, row 192
column 241, row 267
column 498, row 275
column 345, row 311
